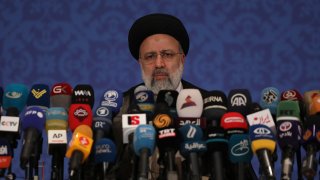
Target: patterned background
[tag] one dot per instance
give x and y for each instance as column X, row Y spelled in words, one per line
column 249, row 44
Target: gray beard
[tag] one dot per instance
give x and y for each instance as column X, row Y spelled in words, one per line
column 168, row 84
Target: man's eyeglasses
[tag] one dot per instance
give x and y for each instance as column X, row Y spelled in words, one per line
column 150, row 58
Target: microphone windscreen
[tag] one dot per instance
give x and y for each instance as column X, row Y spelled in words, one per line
column 289, row 134
column 104, row 151
column 113, row 100
column 262, row 117
column 234, row 121
column 239, row 100
column 34, row 117
column 308, row 95
column 291, row 94
column 79, row 114
column 15, row 95
column 57, row 119
column 314, row 107
column 5, row 153
column 39, row 96
column 140, row 88
column 144, row 138
column 189, row 103
column 216, row 139
column 214, row 106
column 190, row 132
column 83, row 94
column 145, row 101
column 60, row 95
column 288, row 110
column 239, row 148
column 85, row 130
column 261, row 138
column 168, row 97
column 270, row 98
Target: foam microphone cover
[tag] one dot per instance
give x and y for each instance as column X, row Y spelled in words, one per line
column 314, row 107
column 192, row 136
column 189, row 103
column 60, row 95
column 83, row 94
column 104, row 151
column 169, row 97
column 289, row 134
column 270, row 98
column 112, row 99
column 214, row 106
column 216, row 139
column 15, row 95
column 5, row 153
column 239, row 148
column 144, row 138
column 261, row 137
column 288, row 110
column 34, row 117
column 239, row 100
column 234, row 121
column 56, row 119
column 79, row 114
column 308, row 96
column 102, row 122
column 145, row 101
column 39, row 96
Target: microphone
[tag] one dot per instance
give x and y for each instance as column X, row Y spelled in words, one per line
column 263, row 144
column 262, row 117
column 192, row 145
column 167, row 142
column 79, row 114
column 308, row 96
column 239, row 100
column 294, row 95
column 104, row 154
column 314, row 106
column 112, row 99
column 79, row 148
column 5, row 154
column 144, row 145
column 214, row 107
column 234, row 123
column 15, row 95
column 240, row 154
column 145, row 101
column 83, row 94
column 270, row 98
column 217, row 145
column 169, row 97
column 39, row 96
column 102, row 123
column 189, row 103
column 33, row 123
column 56, row 126
column 60, row 95
column 311, row 143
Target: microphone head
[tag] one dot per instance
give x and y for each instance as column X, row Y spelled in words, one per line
column 239, row 148
column 39, row 96
column 234, row 123
column 314, row 106
column 113, row 100
column 169, row 97
column 189, row 103
column 145, row 101
column 289, row 134
column 262, row 137
column 312, row 130
column 104, row 151
column 292, row 95
column 34, row 117
column 84, row 130
column 15, row 95
column 262, row 117
column 5, row 153
column 144, row 137
column 307, row 96
column 270, row 98
column 216, row 139
column 192, row 136
column 214, row 106
column 288, row 110
column 79, row 114
column 102, row 120
column 60, row 95
column 83, row 94
column 57, row 119
column 239, row 100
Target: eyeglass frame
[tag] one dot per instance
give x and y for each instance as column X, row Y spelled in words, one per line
column 166, row 56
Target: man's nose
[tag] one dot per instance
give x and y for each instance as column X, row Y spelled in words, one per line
column 159, row 61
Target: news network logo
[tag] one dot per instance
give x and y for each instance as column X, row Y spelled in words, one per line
column 133, row 120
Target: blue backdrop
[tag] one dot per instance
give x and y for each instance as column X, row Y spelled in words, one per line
column 249, row 44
